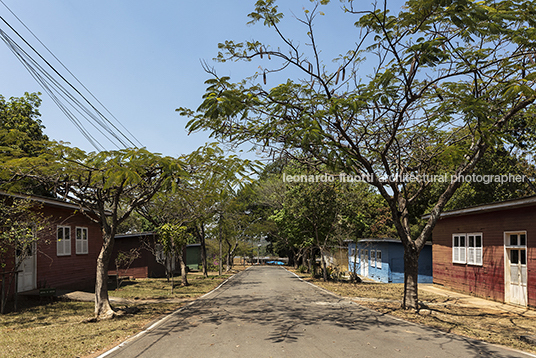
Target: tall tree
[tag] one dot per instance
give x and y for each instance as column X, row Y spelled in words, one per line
column 21, row 135
column 108, row 186
column 442, row 80
column 213, row 176
column 173, row 239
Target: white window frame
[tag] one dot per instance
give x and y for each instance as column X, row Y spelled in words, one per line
column 458, row 249
column 518, row 233
column 468, row 252
column 81, row 240
column 474, row 251
column 379, row 259
column 63, row 244
column 372, row 258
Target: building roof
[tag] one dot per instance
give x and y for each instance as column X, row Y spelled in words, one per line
column 135, row 234
column 44, row 200
column 501, row 205
column 382, row 240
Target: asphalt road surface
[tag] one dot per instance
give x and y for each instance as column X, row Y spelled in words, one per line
column 269, row 312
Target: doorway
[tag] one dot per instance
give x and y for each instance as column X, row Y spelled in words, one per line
column 515, row 275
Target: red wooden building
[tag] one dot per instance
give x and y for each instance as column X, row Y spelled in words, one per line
column 489, row 251
column 65, row 256
column 150, row 262
column 146, row 265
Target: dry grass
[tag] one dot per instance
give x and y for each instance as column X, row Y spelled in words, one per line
column 61, row 328
column 440, row 312
column 160, row 288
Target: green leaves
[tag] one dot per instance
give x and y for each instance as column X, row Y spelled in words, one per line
column 265, row 10
column 172, row 237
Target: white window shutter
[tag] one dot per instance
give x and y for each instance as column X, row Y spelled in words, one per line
column 67, row 241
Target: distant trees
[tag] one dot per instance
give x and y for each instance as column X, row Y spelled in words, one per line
column 437, row 82
column 305, row 219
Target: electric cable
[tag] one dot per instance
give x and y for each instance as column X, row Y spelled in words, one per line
column 100, row 119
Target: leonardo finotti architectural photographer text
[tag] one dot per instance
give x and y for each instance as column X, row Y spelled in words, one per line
column 409, row 178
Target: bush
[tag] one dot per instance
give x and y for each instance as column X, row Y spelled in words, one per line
column 302, row 269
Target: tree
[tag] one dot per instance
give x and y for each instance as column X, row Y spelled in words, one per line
column 21, row 135
column 173, row 239
column 445, row 80
column 21, row 130
column 108, row 186
column 213, row 176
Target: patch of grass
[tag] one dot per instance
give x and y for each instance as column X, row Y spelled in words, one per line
column 160, row 288
column 61, row 328
column 487, row 324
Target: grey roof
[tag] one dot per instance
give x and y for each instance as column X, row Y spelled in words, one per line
column 43, row 200
column 501, row 205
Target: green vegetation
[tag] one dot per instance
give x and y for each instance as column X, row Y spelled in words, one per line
column 428, row 90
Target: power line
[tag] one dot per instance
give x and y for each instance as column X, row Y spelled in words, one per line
column 53, row 87
column 72, row 74
column 42, row 78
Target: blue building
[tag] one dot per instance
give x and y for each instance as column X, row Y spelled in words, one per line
column 383, row 260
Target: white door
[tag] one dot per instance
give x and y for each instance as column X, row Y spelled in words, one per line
column 27, row 268
column 515, row 269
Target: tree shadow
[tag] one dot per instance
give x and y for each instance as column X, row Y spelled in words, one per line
column 289, row 314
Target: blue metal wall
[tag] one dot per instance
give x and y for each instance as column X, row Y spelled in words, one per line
column 392, row 261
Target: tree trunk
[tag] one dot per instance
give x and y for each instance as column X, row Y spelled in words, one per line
column 220, row 258
column 324, row 266
column 203, row 250
column 411, row 275
column 309, row 256
column 292, row 258
column 184, row 268
column 103, row 309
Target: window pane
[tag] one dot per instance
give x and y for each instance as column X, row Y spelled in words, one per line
column 462, row 241
column 522, row 240
column 523, row 256
column 513, row 240
column 514, row 256
column 514, row 274
column 478, row 258
column 456, row 241
column 60, row 234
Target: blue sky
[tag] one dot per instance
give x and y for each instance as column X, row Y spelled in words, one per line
column 141, row 59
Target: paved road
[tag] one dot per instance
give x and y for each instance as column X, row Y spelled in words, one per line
column 269, row 312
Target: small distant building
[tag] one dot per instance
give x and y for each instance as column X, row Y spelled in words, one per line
column 193, row 256
column 149, row 263
column 337, row 257
column 383, row 260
